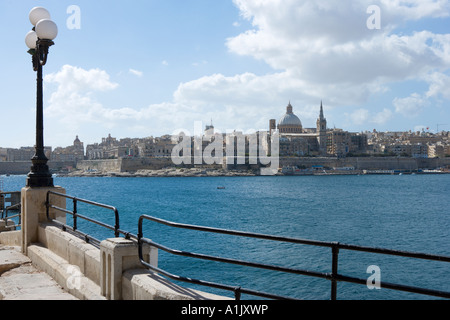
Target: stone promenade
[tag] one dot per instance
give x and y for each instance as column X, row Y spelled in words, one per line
column 20, row 280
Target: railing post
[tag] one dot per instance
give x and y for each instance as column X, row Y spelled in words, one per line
column 334, row 270
column 35, row 210
column 75, row 214
column 117, row 223
column 237, row 293
column 116, row 256
column 47, row 205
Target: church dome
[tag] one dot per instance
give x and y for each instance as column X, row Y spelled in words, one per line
column 290, row 123
column 290, row 119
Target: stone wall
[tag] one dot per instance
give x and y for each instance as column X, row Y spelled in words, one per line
column 20, row 167
column 113, row 165
column 131, row 165
column 362, row 163
column 24, row 167
column 135, row 164
column 369, row 163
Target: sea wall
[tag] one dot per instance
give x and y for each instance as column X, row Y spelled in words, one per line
column 21, row 167
column 368, row 163
column 131, row 165
column 113, row 165
column 24, row 167
column 135, row 164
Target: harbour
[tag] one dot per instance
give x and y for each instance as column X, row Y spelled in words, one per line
column 403, row 213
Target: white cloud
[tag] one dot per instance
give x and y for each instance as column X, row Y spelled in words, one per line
column 200, row 63
column 439, row 85
column 75, row 106
column 324, row 50
column 410, row 106
column 363, row 116
column 319, row 49
column 360, row 116
column 327, row 46
column 383, row 116
column 72, row 101
column 136, row 72
column 73, row 79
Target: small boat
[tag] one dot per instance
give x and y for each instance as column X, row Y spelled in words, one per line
column 221, row 188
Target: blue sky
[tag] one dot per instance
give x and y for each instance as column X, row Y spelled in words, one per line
column 151, row 67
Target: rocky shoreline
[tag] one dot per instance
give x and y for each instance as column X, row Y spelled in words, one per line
column 169, row 172
column 201, row 172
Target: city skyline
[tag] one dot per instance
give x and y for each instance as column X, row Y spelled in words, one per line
column 154, row 67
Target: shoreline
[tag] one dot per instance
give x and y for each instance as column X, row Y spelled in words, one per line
column 196, row 172
column 170, row 172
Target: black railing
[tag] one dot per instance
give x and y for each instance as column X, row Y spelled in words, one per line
column 76, row 215
column 15, row 206
column 334, row 276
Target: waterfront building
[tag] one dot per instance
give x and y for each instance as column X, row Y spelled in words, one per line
column 25, row 153
column 3, row 154
column 160, row 147
column 295, row 140
column 436, row 150
column 72, row 153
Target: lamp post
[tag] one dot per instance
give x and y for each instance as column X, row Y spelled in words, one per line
column 38, row 41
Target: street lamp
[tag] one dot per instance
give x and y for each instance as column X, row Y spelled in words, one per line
column 38, row 41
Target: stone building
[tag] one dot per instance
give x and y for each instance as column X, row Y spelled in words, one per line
column 25, row 153
column 160, row 147
column 73, row 153
column 290, row 123
column 295, row 140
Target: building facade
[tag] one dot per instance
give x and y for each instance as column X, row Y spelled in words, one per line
column 295, row 140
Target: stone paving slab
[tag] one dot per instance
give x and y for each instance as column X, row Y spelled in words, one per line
column 20, row 280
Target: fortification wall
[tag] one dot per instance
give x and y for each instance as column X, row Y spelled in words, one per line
column 135, row 164
column 24, row 167
column 113, row 165
column 363, row 163
column 20, row 167
column 369, row 163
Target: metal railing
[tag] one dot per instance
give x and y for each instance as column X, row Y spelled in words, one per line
column 334, row 276
column 16, row 205
column 76, row 215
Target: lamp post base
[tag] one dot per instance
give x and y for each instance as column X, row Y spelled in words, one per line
column 39, row 181
column 40, row 176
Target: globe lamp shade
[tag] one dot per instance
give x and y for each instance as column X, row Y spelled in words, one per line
column 31, row 39
column 37, row 14
column 46, row 29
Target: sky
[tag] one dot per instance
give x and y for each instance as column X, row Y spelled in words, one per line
column 145, row 68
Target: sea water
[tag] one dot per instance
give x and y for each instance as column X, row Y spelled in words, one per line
column 409, row 212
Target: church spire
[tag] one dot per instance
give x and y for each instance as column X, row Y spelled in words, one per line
column 321, row 117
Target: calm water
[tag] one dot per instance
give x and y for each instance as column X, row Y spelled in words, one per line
column 410, row 212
